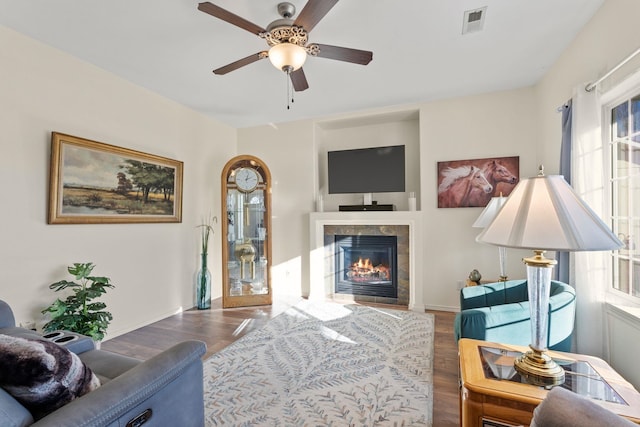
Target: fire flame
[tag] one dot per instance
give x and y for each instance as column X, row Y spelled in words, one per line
column 363, row 265
column 364, row 270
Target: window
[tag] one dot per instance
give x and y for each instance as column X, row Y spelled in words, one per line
column 624, row 143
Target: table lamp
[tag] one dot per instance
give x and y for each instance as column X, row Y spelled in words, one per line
column 544, row 213
column 485, row 218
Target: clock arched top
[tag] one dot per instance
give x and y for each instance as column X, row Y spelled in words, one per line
column 245, row 162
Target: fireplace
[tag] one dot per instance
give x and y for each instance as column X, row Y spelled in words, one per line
column 405, row 225
column 366, row 265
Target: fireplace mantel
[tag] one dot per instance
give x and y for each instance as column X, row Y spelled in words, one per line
column 317, row 221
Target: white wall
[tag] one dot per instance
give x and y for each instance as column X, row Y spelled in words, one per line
column 521, row 122
column 493, row 125
column 152, row 265
column 622, row 333
column 43, row 90
column 400, row 128
column 608, row 38
column 288, row 150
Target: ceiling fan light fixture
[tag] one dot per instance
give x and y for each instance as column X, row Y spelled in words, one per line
column 287, row 57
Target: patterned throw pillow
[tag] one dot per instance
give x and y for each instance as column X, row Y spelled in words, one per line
column 41, row 375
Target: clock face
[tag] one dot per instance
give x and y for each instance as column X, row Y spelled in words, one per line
column 246, row 179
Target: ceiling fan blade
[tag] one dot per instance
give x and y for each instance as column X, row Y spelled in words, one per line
column 356, row 56
column 229, row 17
column 299, row 80
column 240, row 63
column 313, row 12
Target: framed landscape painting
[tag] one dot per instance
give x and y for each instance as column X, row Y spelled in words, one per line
column 95, row 183
column 472, row 183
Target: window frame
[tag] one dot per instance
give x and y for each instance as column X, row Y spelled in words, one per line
column 624, row 92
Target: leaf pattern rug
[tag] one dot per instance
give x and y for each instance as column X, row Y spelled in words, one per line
column 326, row 364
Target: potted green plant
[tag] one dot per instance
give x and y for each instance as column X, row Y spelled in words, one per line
column 77, row 313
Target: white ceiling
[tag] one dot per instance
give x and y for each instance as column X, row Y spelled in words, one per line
column 419, row 52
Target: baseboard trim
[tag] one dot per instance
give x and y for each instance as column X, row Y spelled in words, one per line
column 442, row 308
column 115, row 334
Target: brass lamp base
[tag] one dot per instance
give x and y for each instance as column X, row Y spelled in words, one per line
column 539, row 369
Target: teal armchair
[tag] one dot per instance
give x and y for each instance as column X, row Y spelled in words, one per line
column 499, row 312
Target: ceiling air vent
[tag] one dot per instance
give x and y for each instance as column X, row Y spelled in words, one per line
column 473, row 20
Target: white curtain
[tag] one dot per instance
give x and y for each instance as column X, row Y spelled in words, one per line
column 589, row 269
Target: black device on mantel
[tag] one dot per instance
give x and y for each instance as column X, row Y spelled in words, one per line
column 372, row 207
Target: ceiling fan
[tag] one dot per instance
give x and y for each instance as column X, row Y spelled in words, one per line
column 287, row 39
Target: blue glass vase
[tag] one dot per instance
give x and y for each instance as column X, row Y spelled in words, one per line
column 203, row 285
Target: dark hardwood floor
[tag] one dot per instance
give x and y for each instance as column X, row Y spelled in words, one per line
column 219, row 328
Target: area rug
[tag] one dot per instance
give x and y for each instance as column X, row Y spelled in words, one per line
column 326, row 364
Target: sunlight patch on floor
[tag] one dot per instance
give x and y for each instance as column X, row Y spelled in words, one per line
column 320, row 311
column 333, row 335
column 385, row 313
column 242, row 326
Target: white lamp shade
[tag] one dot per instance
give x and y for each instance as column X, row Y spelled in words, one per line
column 284, row 55
column 545, row 213
column 490, row 211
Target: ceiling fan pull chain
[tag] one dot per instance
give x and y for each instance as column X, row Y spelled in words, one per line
column 289, row 89
column 286, row 76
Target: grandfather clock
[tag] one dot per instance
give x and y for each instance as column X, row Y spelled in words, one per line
column 246, row 232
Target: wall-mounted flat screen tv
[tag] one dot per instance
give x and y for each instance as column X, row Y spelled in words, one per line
column 366, row 170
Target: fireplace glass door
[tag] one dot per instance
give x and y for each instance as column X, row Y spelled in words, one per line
column 366, row 265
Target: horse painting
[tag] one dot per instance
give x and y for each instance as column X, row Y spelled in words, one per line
column 496, row 172
column 462, row 186
column 500, row 173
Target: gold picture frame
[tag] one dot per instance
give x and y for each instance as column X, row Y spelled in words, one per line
column 92, row 182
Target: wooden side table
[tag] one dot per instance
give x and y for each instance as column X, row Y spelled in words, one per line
column 493, row 394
